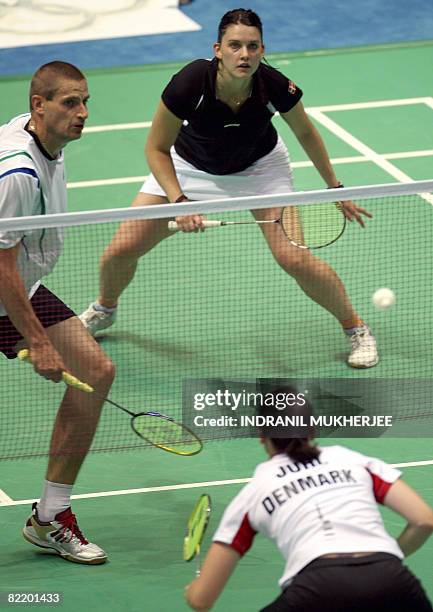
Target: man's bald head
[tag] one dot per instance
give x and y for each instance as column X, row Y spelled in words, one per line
column 47, row 78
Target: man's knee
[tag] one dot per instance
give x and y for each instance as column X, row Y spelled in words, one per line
column 102, row 371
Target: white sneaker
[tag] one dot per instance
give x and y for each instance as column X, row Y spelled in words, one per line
column 97, row 320
column 363, row 349
column 64, row 537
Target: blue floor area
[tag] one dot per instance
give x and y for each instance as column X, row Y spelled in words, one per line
column 288, row 26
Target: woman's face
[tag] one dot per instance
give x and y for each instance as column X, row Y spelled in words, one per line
column 240, row 50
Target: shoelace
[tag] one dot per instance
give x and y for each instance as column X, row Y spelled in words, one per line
column 358, row 336
column 69, row 523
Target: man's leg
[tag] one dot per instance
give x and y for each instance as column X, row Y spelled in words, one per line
column 79, row 412
column 52, row 524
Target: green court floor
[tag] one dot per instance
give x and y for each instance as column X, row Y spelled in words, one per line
column 374, row 110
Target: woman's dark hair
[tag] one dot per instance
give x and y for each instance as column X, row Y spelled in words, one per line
column 245, row 17
column 301, row 450
column 297, row 439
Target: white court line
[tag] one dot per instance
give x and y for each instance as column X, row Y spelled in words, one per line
column 408, row 154
column 318, row 113
column 102, row 182
column 5, row 500
column 327, row 108
column 355, row 159
column 413, row 463
column 367, row 151
column 429, row 102
column 375, row 104
column 189, row 485
column 112, row 127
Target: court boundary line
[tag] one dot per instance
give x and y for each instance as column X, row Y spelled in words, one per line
column 382, row 160
column 189, row 485
column 355, row 159
column 4, row 498
column 135, row 125
column 373, row 156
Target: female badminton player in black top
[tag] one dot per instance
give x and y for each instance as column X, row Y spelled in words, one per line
column 212, row 137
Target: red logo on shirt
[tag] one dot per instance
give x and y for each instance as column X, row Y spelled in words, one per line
column 292, row 87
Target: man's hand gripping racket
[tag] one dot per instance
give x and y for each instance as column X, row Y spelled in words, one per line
column 67, row 378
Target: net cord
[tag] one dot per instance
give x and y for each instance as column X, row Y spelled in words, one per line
column 204, row 207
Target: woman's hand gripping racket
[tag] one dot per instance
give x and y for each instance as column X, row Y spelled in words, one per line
column 310, row 226
column 158, row 429
column 196, row 528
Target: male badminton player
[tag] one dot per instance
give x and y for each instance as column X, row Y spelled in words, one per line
column 319, row 507
column 211, row 138
column 32, row 182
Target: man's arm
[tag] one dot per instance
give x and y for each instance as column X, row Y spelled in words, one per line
column 45, row 359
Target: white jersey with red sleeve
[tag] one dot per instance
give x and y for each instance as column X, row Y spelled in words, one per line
column 328, row 505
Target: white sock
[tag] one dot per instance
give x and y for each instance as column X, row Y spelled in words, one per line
column 352, row 330
column 56, row 497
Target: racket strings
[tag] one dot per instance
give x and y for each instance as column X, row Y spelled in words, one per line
column 313, row 225
column 167, row 434
column 197, row 524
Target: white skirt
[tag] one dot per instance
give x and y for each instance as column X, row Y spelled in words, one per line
column 269, row 174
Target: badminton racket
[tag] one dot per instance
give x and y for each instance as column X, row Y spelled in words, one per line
column 158, row 429
column 311, row 226
column 196, row 528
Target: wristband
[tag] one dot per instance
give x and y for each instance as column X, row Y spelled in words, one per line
column 181, row 198
column 339, row 186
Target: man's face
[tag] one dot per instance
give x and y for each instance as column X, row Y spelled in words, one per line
column 64, row 116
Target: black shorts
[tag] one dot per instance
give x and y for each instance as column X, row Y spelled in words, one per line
column 376, row 583
column 48, row 308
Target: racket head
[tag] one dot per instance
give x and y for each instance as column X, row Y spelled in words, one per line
column 164, row 432
column 196, row 527
column 313, row 226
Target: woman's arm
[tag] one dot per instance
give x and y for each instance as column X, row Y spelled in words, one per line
column 405, row 501
column 217, row 568
column 162, row 135
column 312, row 143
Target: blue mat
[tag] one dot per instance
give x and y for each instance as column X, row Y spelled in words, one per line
column 288, row 26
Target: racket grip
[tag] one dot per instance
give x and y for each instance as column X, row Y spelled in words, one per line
column 174, row 227
column 72, row 381
column 69, row 379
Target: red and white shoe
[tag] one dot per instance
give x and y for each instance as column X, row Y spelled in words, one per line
column 64, row 537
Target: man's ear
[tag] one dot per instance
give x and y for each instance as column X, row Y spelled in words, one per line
column 37, row 104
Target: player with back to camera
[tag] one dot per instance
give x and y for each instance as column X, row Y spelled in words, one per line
column 32, row 182
column 318, row 505
column 212, row 137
